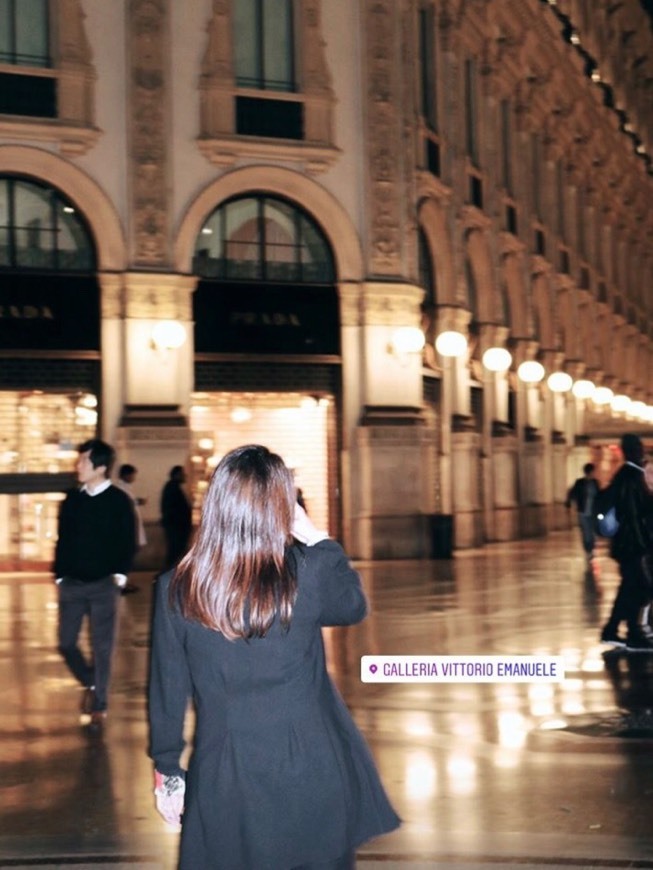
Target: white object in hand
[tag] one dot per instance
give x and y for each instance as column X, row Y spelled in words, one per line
column 169, row 795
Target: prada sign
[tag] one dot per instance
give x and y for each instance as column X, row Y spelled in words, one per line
column 49, row 312
column 290, row 319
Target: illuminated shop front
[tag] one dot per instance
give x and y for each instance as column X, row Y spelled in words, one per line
column 49, row 362
column 267, row 348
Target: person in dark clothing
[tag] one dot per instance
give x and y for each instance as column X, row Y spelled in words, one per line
column 583, row 494
column 630, row 547
column 95, row 546
column 176, row 516
column 279, row 777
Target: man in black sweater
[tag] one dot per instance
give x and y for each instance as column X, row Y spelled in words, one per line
column 95, row 548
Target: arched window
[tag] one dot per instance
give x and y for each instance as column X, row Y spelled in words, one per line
column 40, row 229
column 263, row 239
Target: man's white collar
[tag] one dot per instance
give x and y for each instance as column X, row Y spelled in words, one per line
column 98, row 489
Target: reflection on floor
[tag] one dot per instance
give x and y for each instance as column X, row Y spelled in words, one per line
column 515, row 775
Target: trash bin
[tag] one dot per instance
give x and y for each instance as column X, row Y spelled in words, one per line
column 441, row 536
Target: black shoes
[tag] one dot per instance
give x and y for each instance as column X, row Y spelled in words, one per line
column 611, row 635
column 640, row 640
column 88, row 700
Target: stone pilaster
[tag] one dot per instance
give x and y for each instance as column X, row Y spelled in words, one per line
column 148, row 127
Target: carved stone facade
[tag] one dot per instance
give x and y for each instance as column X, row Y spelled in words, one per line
column 149, row 70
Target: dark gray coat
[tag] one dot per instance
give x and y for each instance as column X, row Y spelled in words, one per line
column 279, row 774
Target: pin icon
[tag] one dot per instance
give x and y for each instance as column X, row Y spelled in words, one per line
column 373, row 669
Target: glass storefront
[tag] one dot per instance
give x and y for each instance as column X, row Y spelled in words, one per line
column 39, row 435
column 294, row 425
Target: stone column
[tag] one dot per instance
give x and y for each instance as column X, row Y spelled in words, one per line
column 146, row 389
column 389, row 448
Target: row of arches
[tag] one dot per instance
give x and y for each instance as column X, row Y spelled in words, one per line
column 295, row 229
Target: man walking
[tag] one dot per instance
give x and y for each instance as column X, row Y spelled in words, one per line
column 176, row 516
column 94, row 551
column 630, row 546
column 583, row 494
column 126, row 477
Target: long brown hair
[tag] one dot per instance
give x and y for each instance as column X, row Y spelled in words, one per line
column 238, row 576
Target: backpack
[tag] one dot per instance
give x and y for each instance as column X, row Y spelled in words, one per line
column 606, row 523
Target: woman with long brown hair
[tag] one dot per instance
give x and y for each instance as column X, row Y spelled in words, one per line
column 279, row 777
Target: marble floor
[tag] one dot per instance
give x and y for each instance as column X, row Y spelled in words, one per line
column 516, row 775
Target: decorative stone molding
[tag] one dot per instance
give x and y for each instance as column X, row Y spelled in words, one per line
column 219, row 141
column 390, row 304
column 147, row 110
column 385, row 154
column 159, row 297
column 147, row 296
column 349, row 296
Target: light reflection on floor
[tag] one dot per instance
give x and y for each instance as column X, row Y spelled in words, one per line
column 485, row 771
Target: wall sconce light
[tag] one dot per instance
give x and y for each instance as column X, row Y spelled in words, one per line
column 620, row 403
column 637, row 409
column 451, row 343
column 406, row 339
column 583, row 389
column 168, row 335
column 530, row 371
column 602, row 396
column 559, row 382
column 497, row 359
column 649, row 414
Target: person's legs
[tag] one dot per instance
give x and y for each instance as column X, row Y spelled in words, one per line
column 73, row 605
column 103, row 630
column 587, row 533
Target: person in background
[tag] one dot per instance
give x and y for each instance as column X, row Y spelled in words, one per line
column 94, row 551
column 126, row 477
column 583, row 494
column 279, row 777
column 630, row 546
column 176, row 516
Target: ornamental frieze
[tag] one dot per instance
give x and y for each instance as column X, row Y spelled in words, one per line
column 384, row 137
column 149, row 158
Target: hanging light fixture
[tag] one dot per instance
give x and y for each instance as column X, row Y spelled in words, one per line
column 559, row 382
column 530, row 371
column 497, row 359
column 451, row 343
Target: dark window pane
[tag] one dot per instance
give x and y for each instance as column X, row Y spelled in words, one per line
column 277, row 119
column 35, row 96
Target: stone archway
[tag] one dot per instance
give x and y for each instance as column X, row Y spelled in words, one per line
column 433, row 221
column 98, row 210
column 316, row 200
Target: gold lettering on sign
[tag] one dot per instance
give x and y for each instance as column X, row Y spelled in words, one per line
column 256, row 318
column 26, row 312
